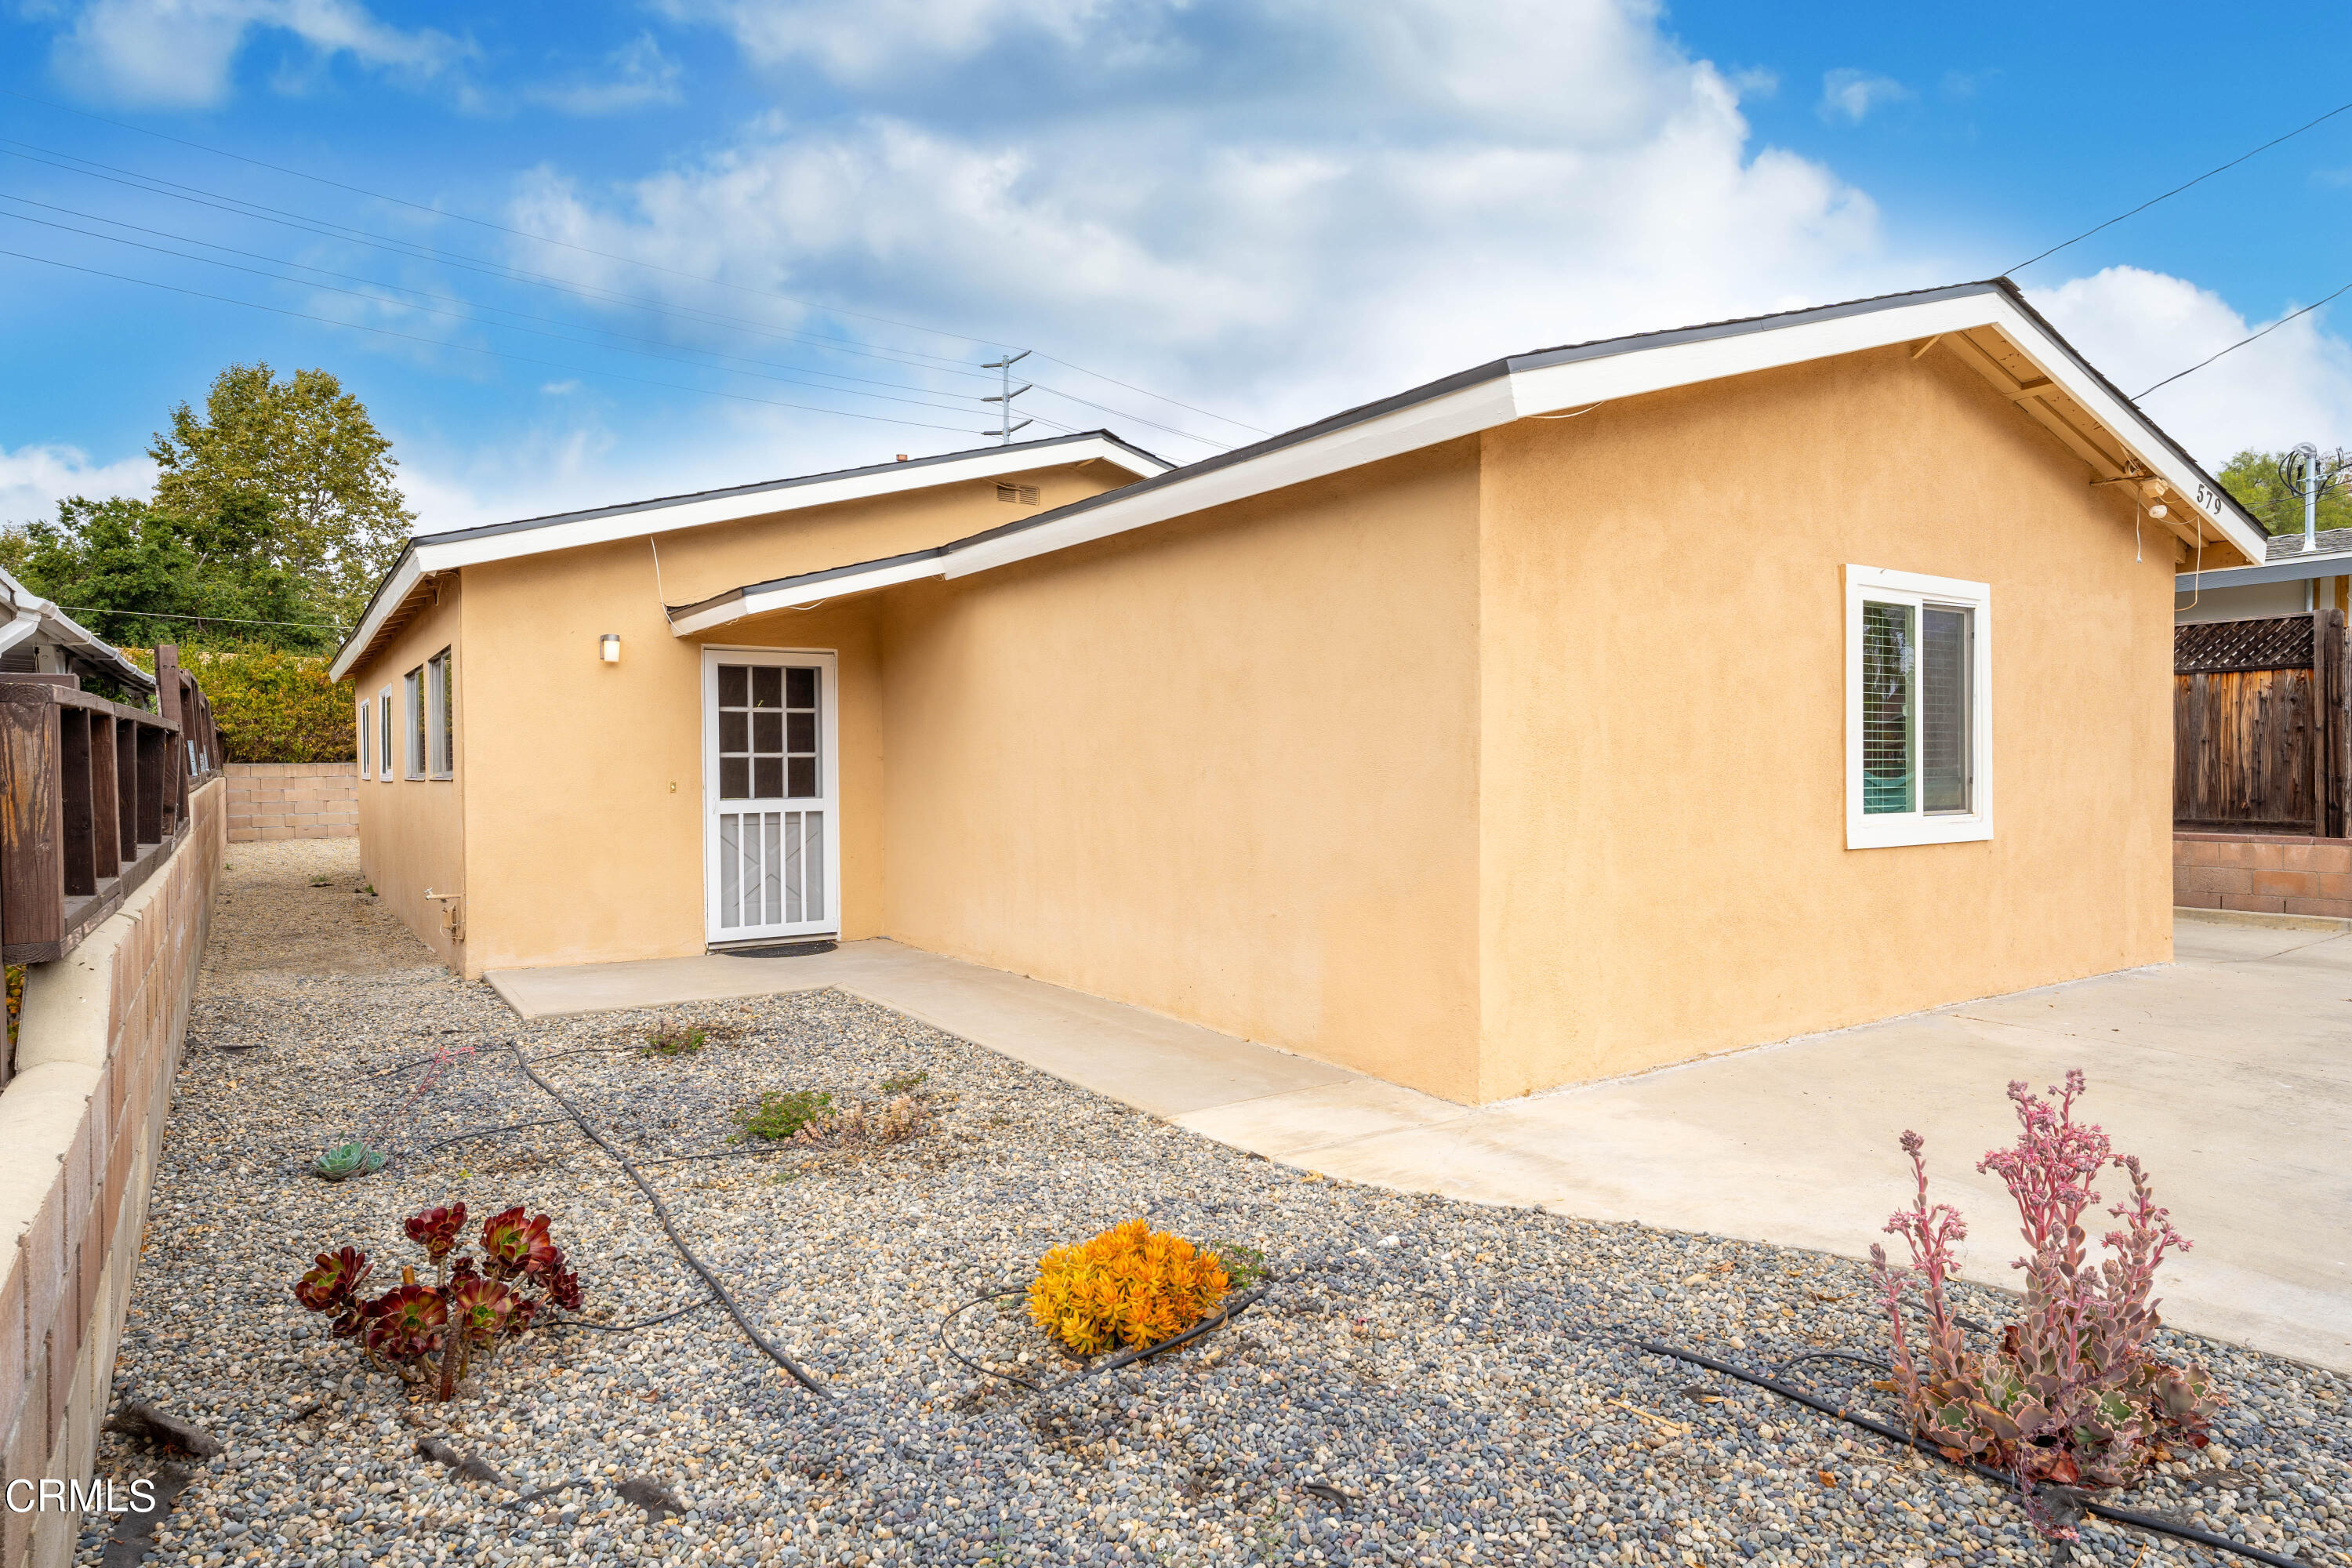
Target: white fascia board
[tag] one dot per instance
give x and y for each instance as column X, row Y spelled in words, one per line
column 1547, row 389
column 893, row 480
column 802, row 593
column 405, row 573
column 1442, row 418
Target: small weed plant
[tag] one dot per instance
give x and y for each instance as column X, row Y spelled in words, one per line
column 902, row 1083
column 432, row 1336
column 780, row 1115
column 1244, row 1264
column 2073, row 1395
column 676, row 1040
column 1131, row 1286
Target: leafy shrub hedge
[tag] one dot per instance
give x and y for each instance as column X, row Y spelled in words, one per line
column 272, row 707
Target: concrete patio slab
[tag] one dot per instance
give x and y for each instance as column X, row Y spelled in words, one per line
column 1155, row 1064
column 2228, row 1070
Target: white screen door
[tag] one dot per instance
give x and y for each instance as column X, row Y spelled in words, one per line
column 771, row 857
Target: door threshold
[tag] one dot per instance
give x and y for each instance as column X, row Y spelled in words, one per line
column 802, row 947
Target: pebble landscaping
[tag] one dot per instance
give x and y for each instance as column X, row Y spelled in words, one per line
column 1428, row 1382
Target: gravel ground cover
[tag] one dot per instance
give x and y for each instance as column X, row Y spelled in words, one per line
column 1428, row 1380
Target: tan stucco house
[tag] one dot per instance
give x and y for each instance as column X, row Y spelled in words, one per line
column 1586, row 711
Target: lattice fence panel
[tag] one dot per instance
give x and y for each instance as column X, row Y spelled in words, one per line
column 2211, row 647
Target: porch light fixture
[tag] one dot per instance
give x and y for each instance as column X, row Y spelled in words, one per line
column 608, row 647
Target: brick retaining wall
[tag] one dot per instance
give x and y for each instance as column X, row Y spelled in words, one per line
column 97, row 1047
column 2263, row 873
column 293, row 800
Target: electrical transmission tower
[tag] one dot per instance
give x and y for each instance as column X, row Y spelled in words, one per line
column 1007, row 392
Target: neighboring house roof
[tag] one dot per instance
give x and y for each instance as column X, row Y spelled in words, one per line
column 2325, row 541
column 429, row 552
column 2286, row 561
column 33, row 622
column 2057, row 387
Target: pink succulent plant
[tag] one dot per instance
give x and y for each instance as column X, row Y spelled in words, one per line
column 2073, row 1395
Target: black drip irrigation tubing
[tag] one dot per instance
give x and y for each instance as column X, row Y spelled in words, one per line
column 661, row 1213
column 1125, row 1358
column 2097, row 1509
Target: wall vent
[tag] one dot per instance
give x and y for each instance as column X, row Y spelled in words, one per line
column 1018, row 495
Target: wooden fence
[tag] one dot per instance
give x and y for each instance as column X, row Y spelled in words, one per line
column 93, row 798
column 2261, row 732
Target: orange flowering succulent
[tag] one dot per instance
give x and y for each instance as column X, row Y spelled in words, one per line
column 1129, row 1286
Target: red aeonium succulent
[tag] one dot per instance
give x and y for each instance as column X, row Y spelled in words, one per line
column 432, row 1335
column 334, row 1277
column 512, row 1245
column 407, row 1321
column 437, row 1230
column 486, row 1311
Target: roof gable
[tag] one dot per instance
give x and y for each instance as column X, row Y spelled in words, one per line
column 1987, row 324
column 453, row 549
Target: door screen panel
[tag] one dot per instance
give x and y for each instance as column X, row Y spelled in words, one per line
column 771, row 855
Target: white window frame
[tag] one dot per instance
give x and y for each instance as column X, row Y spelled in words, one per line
column 367, row 736
column 385, row 723
column 413, row 731
column 440, row 732
column 1882, row 830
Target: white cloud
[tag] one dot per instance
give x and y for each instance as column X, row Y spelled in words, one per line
column 2139, row 327
column 1850, row 95
column 180, row 54
column 638, row 75
column 858, row 40
column 33, row 479
column 1367, row 196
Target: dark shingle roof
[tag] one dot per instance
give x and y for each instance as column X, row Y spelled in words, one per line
column 2289, row 546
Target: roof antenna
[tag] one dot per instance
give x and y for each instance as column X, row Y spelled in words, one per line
column 1006, row 393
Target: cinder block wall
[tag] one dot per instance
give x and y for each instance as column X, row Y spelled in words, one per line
column 293, row 800
column 2263, row 873
column 97, row 1049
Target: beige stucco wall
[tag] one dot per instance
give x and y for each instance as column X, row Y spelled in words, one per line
column 412, row 831
column 1224, row 769
column 1663, row 861
column 582, row 835
column 1510, row 763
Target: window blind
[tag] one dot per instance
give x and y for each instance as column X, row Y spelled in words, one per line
column 1889, row 656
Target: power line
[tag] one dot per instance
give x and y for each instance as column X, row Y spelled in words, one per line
column 225, row 620
column 2177, row 190
column 459, row 315
column 238, row 207
column 2249, row 336
column 494, row 353
column 610, row 255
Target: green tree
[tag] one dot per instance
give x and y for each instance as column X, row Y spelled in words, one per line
column 137, row 574
column 2254, row 479
column 307, row 447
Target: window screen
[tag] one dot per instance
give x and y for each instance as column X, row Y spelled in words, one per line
column 1947, row 719
column 383, row 733
column 767, row 732
column 414, row 684
column 1889, row 658
column 441, row 700
column 367, row 736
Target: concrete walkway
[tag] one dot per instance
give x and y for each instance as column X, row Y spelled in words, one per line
column 2229, row 1071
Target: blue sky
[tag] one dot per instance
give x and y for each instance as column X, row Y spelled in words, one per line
column 1207, row 218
